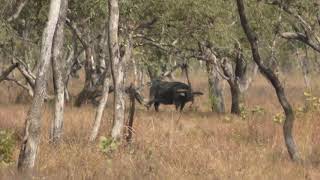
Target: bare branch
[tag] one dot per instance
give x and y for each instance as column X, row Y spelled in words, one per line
column 302, row 38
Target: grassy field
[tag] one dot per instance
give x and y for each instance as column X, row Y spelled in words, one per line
column 196, row 144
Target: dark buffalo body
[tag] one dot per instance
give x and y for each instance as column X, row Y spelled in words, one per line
column 177, row 93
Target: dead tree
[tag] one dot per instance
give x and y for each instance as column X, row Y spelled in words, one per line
column 58, row 75
column 31, row 139
column 271, row 76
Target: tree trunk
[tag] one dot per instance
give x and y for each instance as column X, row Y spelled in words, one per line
column 58, row 75
column 100, row 109
column 131, row 93
column 235, row 99
column 141, row 76
column 31, row 139
column 135, row 72
column 214, row 78
column 233, row 81
column 304, row 63
column 270, row 75
column 215, row 89
column 117, row 70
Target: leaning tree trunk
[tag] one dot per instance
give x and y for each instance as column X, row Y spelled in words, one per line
column 30, row 142
column 58, row 75
column 100, row 108
column 271, row 76
column 117, row 70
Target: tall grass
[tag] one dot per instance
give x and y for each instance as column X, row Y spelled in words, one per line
column 196, row 144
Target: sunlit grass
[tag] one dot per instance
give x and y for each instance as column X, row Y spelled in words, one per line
column 198, row 145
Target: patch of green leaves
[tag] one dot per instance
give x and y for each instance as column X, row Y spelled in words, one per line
column 312, row 102
column 107, row 145
column 244, row 112
column 279, row 118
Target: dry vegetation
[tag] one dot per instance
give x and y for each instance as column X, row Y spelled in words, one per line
column 197, row 145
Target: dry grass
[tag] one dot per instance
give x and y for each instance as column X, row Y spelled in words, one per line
column 197, row 145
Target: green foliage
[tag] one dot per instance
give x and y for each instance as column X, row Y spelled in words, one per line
column 7, row 144
column 312, row 102
column 244, row 112
column 279, row 118
column 108, row 145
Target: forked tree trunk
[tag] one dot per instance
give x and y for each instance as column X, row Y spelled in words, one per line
column 117, row 70
column 91, row 76
column 270, row 75
column 58, row 75
column 105, row 89
column 30, row 141
column 236, row 76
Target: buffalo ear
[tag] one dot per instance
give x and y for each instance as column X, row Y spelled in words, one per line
column 197, row 93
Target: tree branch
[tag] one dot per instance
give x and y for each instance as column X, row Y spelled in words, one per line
column 6, row 72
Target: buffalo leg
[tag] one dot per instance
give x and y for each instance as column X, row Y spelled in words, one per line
column 156, row 106
column 182, row 106
column 177, row 106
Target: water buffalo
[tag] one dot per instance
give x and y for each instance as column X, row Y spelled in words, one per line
column 177, row 93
